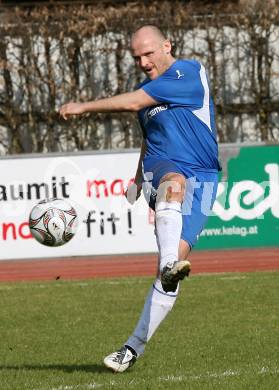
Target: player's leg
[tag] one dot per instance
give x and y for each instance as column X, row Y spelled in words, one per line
column 168, row 219
column 168, row 216
column 157, row 305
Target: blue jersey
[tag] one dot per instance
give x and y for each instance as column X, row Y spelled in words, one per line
column 181, row 127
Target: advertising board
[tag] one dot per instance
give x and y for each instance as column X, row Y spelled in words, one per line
column 245, row 213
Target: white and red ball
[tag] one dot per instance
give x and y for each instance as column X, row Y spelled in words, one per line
column 53, row 222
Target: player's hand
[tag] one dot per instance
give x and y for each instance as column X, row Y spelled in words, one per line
column 133, row 192
column 71, row 109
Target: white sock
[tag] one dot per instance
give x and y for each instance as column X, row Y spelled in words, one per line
column 168, row 219
column 157, row 305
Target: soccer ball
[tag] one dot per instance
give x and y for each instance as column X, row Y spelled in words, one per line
column 53, row 222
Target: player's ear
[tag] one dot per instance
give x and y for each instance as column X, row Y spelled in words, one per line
column 167, row 46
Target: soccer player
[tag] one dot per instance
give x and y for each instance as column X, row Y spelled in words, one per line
column 179, row 155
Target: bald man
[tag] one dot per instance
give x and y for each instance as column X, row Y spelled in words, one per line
column 179, row 155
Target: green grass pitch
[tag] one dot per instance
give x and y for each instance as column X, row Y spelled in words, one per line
column 222, row 334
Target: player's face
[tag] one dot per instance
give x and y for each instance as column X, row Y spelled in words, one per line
column 151, row 55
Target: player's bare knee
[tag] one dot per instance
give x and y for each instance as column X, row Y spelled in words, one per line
column 171, row 188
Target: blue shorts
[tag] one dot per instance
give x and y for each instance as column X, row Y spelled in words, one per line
column 200, row 194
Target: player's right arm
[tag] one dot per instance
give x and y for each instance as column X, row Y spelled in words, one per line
column 130, row 101
column 138, row 177
column 134, row 190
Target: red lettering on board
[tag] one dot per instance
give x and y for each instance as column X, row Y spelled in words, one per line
column 96, row 184
column 10, row 230
column 101, row 188
column 6, row 227
column 22, row 234
column 117, row 187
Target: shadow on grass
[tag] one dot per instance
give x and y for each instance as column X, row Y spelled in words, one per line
column 93, row 368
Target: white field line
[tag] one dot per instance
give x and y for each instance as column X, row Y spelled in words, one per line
column 73, row 283
column 86, row 386
column 181, row 378
column 227, row 373
column 233, row 277
column 66, row 283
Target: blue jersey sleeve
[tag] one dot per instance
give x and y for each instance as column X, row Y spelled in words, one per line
column 180, row 84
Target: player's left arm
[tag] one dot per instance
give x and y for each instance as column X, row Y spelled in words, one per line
column 130, row 101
